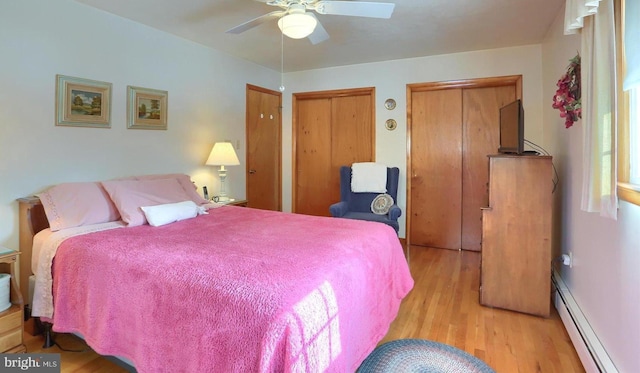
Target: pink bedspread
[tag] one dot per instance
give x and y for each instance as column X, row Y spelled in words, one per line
column 238, row 290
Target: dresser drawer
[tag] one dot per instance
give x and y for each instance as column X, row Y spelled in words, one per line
column 10, row 319
column 10, row 340
column 10, row 328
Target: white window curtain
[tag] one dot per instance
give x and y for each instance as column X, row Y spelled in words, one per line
column 594, row 19
column 575, row 13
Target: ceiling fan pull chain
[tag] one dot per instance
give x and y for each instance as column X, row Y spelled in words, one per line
column 281, row 88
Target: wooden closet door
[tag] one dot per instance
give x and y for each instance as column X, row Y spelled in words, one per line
column 436, row 161
column 351, row 124
column 313, row 156
column 481, row 137
column 453, row 127
column 331, row 129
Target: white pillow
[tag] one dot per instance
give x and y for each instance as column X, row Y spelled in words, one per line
column 171, row 212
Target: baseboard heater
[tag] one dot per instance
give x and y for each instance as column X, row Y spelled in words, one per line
column 592, row 354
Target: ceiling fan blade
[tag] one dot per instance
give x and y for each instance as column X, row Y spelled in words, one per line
column 355, row 8
column 256, row 22
column 319, row 34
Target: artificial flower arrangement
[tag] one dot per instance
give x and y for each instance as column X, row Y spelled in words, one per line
column 567, row 97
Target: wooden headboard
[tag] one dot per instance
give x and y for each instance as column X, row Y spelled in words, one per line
column 32, row 220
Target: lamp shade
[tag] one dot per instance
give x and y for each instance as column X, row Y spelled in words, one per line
column 297, row 25
column 223, row 154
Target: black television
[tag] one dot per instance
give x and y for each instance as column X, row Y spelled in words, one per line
column 512, row 128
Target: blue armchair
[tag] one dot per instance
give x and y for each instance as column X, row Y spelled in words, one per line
column 358, row 205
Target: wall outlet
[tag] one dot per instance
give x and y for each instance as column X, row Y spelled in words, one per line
column 570, row 259
column 567, row 259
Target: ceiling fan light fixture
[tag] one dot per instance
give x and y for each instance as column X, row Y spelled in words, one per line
column 297, row 25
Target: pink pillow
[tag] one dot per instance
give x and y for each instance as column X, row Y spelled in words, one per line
column 70, row 205
column 184, row 180
column 130, row 195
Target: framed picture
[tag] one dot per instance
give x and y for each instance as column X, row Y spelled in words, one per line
column 82, row 102
column 146, row 108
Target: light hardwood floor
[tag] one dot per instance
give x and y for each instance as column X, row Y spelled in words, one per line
column 80, row 362
column 443, row 307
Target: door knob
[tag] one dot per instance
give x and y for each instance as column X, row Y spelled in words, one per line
column 252, row 171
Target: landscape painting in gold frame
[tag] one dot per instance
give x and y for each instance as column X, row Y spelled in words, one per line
column 82, row 102
column 146, row 108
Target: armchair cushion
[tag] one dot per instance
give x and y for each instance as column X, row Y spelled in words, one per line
column 369, row 216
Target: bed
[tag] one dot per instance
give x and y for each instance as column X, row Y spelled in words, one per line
column 233, row 290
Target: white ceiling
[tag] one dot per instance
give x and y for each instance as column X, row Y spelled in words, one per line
column 416, row 28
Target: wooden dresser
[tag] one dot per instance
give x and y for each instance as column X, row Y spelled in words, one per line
column 516, row 235
column 11, row 319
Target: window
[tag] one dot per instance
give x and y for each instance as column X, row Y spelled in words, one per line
column 629, row 105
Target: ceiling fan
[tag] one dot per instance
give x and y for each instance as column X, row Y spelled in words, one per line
column 297, row 23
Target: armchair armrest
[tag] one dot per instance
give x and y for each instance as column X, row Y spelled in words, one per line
column 338, row 209
column 394, row 212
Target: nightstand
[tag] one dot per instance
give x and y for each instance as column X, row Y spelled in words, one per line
column 235, row 202
column 11, row 319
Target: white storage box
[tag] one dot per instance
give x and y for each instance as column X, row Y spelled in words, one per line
column 5, row 291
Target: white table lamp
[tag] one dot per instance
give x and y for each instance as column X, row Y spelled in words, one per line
column 222, row 155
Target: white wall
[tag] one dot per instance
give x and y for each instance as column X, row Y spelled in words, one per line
column 42, row 38
column 390, row 79
column 605, row 277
